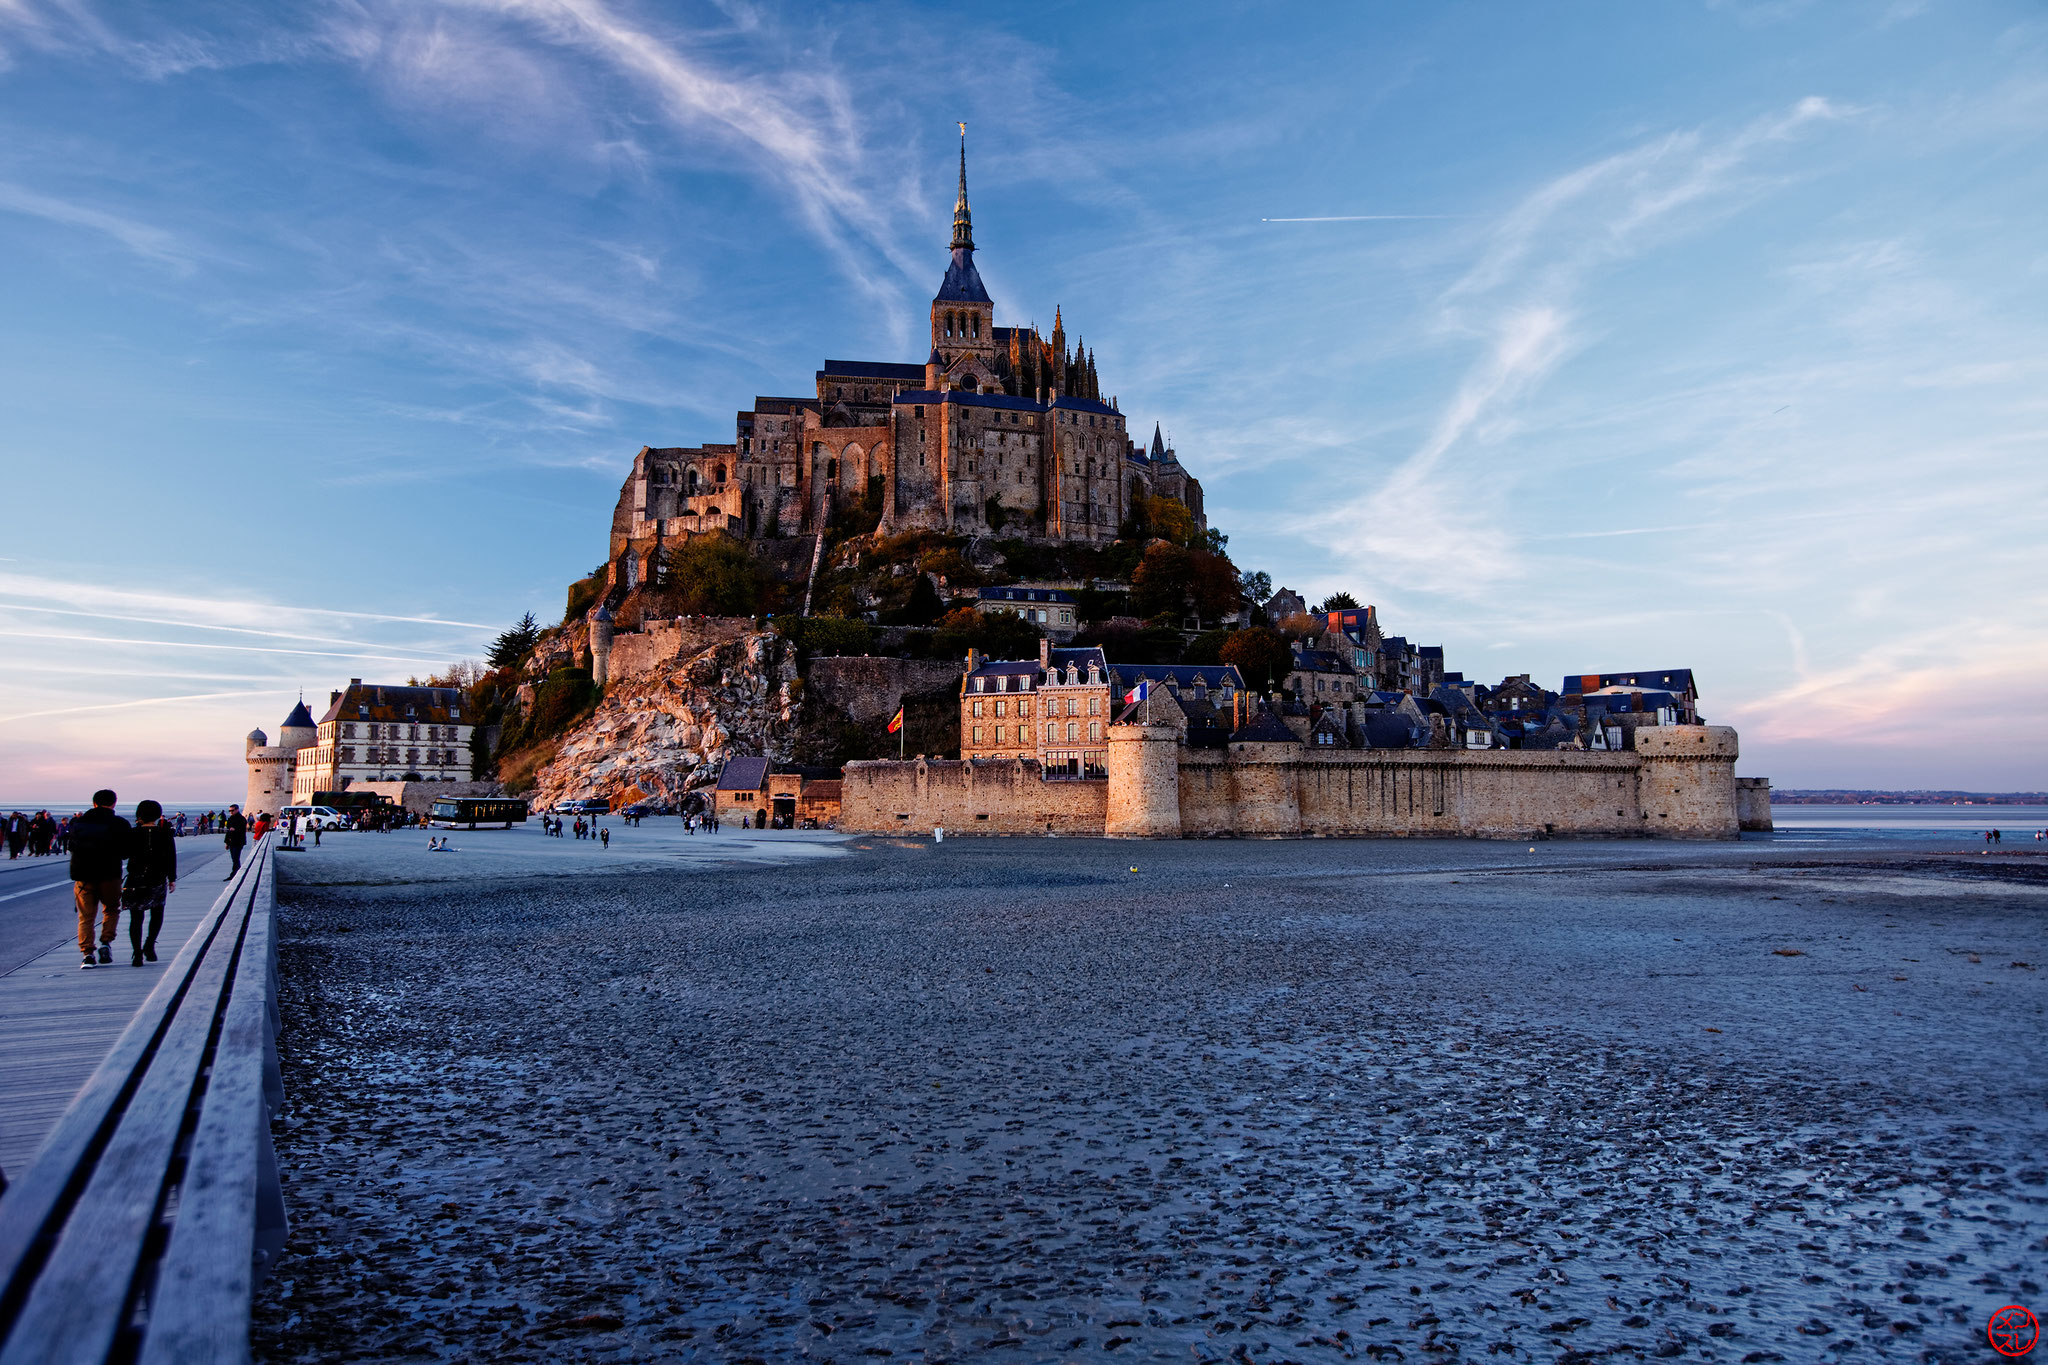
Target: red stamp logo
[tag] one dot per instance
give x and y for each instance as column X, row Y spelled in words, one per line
column 2013, row 1330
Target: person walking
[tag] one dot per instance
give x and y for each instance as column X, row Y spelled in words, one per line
column 237, row 837
column 99, row 840
column 604, row 837
column 152, row 875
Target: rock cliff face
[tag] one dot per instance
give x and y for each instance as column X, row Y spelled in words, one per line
column 668, row 730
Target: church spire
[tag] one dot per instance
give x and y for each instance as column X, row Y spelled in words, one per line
column 963, row 220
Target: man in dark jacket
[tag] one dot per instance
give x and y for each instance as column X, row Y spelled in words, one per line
column 152, row 875
column 99, row 841
column 238, row 836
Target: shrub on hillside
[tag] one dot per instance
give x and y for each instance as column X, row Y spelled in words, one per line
column 714, row 575
column 560, row 701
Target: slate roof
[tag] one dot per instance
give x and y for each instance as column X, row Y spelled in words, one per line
column 1321, row 661
column 300, row 717
column 1388, row 730
column 1010, row 668
column 1668, row 679
column 1180, row 675
column 870, row 369
column 963, row 282
column 1084, row 405
column 1264, row 728
column 370, row 701
column 743, row 775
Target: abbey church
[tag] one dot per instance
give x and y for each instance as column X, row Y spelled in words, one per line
column 1001, row 430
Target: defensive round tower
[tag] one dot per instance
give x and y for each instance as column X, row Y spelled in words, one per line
column 600, row 644
column 270, row 765
column 299, row 730
column 1687, row 781
column 1144, row 772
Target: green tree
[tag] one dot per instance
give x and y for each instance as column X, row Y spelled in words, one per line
column 713, row 575
column 834, row 636
column 1207, row 648
column 1262, row 657
column 1256, row 587
column 998, row 634
column 511, row 648
column 1339, row 601
column 1170, row 520
column 560, row 701
column 925, row 606
column 1160, row 585
column 583, row 594
column 479, row 753
column 1173, row 580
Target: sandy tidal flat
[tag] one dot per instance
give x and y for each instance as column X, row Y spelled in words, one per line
column 1018, row 1101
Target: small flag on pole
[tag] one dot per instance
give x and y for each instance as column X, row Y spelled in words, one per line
column 1135, row 694
column 896, row 721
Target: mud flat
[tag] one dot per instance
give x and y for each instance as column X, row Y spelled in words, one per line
column 1015, row 1100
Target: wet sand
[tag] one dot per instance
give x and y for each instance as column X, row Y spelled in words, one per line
column 1259, row 1102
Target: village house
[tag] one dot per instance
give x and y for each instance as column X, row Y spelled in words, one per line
column 372, row 732
column 1050, row 609
column 1053, row 709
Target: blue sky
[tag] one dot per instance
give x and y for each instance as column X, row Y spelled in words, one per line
column 1648, row 336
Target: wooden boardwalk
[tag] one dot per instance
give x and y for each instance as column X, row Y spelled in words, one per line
column 57, row 1022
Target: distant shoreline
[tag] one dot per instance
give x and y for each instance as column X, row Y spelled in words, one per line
column 1837, row 797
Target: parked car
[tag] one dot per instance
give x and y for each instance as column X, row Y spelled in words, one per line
column 592, row 806
column 641, row 809
column 313, row 817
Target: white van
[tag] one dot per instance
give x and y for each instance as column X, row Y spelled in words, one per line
column 313, row 817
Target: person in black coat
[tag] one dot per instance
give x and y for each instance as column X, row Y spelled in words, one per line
column 99, row 842
column 237, row 838
column 152, row 875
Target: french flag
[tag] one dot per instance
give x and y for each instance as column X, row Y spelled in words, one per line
column 1135, row 694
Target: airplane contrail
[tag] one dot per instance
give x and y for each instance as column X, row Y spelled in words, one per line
column 1367, row 218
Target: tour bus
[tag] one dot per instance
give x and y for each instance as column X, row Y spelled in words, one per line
column 450, row 811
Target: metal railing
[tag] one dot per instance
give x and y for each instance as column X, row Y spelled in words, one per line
column 148, row 1218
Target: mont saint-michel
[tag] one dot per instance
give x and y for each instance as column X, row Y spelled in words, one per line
column 1001, row 429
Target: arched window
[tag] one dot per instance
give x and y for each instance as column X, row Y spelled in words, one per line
column 832, row 469
column 721, row 473
column 690, row 480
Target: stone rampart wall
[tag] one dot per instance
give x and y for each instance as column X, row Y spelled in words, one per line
column 1753, row 804
column 982, row 796
column 870, row 689
column 658, row 642
column 1681, row 786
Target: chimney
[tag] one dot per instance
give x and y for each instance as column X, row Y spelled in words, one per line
column 973, row 658
column 1045, row 651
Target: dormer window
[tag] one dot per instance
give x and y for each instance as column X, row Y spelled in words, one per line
column 981, row 684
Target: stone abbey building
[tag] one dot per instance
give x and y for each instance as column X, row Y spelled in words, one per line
column 1001, row 429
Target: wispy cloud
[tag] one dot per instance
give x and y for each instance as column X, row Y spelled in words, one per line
column 149, row 242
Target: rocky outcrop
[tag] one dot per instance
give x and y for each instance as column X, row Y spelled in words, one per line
column 668, row 730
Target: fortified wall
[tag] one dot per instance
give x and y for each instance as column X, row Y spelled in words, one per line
column 632, row 653
column 1678, row 783
column 870, row 689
